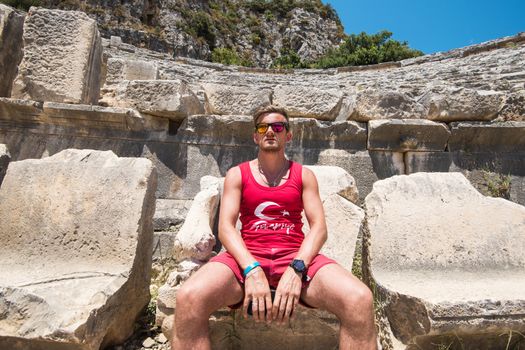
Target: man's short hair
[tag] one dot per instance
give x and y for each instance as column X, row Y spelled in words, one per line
column 267, row 110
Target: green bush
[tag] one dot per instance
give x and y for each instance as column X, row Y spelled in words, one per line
column 21, row 4
column 228, row 56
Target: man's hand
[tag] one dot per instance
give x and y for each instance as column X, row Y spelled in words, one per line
column 287, row 295
column 257, row 290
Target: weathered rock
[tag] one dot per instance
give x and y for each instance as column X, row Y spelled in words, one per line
column 514, row 107
column 371, row 104
column 335, row 180
column 407, row 135
column 455, row 104
column 163, row 98
column 5, row 157
column 343, row 222
column 21, row 110
column 67, row 280
column 120, row 69
column 469, row 283
column 11, row 30
column 196, row 240
column 170, row 212
column 308, row 101
column 493, row 137
column 62, row 58
column 237, row 100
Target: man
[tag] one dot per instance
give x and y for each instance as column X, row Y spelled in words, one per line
column 269, row 193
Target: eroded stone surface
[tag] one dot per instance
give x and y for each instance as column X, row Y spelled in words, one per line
column 469, row 282
column 62, row 58
column 11, row 30
column 236, row 100
column 67, row 279
column 164, row 98
column 407, row 135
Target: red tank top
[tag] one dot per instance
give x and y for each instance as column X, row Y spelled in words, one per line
column 271, row 216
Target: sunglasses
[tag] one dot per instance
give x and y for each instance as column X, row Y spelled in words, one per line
column 276, row 127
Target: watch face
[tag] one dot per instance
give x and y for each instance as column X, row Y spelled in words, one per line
column 298, row 266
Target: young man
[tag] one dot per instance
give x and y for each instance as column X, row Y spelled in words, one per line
column 269, row 193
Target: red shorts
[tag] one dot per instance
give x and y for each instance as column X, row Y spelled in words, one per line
column 274, row 262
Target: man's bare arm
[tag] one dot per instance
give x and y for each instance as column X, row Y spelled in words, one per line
column 256, row 288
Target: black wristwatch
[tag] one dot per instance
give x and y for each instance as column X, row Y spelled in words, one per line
column 299, row 267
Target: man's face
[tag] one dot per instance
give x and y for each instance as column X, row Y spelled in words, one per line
column 271, row 140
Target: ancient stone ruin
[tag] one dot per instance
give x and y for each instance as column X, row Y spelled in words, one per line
column 64, row 87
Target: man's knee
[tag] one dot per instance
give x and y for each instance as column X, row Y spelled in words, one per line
column 191, row 296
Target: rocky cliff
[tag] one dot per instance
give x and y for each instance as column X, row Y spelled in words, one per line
column 256, row 31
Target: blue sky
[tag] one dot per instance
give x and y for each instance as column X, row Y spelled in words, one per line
column 436, row 25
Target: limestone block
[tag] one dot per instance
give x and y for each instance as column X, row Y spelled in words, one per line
column 488, row 137
column 455, row 104
column 235, row 100
column 343, row 222
column 458, row 271
column 21, row 110
column 94, row 116
column 11, row 30
column 75, row 259
column 62, row 58
column 309, row 101
column 196, row 240
column 315, row 134
column 170, row 212
column 407, row 135
column 514, row 107
column 217, row 130
column 378, row 104
column 163, row 98
column 119, row 69
column 5, row 158
column 335, row 180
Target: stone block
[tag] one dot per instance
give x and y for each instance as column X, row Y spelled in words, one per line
column 335, row 180
column 309, row 101
column 75, row 259
column 5, row 158
column 358, row 164
column 487, row 137
column 11, row 30
column 377, row 104
column 314, row 134
column 195, row 239
column 235, row 100
column 21, row 111
column 170, row 213
column 62, row 58
column 119, row 69
column 170, row 99
column 448, row 104
column 217, row 130
column 407, row 135
column 446, row 260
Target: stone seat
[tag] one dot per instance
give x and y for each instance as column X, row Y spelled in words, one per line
column 75, row 258
column 446, row 260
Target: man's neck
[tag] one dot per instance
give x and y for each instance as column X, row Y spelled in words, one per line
column 271, row 162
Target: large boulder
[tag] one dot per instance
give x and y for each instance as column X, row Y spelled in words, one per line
column 75, row 258
column 62, row 58
column 446, row 260
column 11, row 29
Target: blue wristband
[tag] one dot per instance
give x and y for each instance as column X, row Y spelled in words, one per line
column 250, row 267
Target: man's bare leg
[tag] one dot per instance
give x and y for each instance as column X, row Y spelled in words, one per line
column 336, row 290
column 213, row 286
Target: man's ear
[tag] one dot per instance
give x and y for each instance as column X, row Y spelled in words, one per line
column 255, row 138
column 289, row 136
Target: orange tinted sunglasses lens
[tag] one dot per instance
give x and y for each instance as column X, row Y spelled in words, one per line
column 276, row 127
